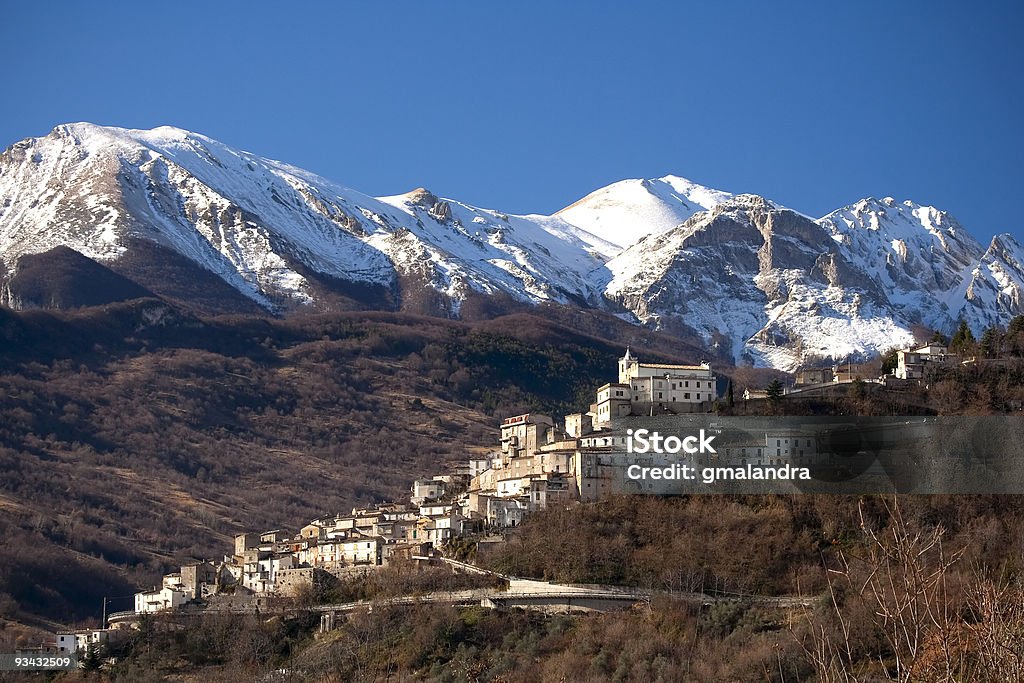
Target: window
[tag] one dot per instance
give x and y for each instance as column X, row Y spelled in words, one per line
column 686, row 395
column 687, row 383
column 659, row 395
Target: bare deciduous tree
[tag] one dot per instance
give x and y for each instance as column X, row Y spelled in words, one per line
column 996, row 628
column 902, row 575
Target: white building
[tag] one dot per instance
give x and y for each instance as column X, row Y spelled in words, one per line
column 540, row 464
column 260, row 571
column 478, row 465
column 523, row 435
column 912, row 363
column 156, row 601
column 66, row 644
column 361, row 551
column 782, row 447
column 424, row 490
column 647, row 388
column 81, row 641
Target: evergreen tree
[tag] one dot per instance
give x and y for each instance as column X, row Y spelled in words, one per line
column 1014, row 339
column 963, row 339
column 729, row 396
column 991, row 342
column 774, row 390
column 92, row 660
column 890, row 359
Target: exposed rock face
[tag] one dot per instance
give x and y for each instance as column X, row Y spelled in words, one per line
column 186, row 217
column 773, row 284
column 994, row 290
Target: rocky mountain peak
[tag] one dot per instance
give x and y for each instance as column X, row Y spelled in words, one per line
column 422, row 197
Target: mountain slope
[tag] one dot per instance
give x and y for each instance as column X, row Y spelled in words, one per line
column 137, row 436
column 61, row 278
column 921, row 256
column 994, row 291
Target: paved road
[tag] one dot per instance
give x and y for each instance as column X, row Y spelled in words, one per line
column 524, row 593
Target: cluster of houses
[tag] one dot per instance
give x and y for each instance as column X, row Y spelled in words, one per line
column 537, row 464
column 80, row 642
column 278, row 563
column 914, row 365
column 540, row 463
column 283, row 563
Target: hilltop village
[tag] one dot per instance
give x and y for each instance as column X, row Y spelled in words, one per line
column 538, row 463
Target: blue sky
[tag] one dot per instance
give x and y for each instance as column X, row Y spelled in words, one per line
column 527, row 106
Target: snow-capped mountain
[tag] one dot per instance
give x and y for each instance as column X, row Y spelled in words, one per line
column 267, row 228
column 184, row 216
column 920, row 256
column 769, row 284
column 627, row 211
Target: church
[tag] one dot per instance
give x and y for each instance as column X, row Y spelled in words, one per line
column 654, row 389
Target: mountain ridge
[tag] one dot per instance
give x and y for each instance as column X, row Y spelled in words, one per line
column 764, row 284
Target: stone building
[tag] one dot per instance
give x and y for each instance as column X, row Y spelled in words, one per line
column 654, row 389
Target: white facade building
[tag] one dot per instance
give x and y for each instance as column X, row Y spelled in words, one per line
column 424, row 490
column 649, row 388
column 163, row 599
column 912, row 363
column 81, row 641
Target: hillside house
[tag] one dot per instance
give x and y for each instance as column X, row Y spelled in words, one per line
column 160, row 600
column 914, row 363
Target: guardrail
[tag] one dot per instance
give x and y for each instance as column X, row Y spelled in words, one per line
column 120, row 616
column 624, row 597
